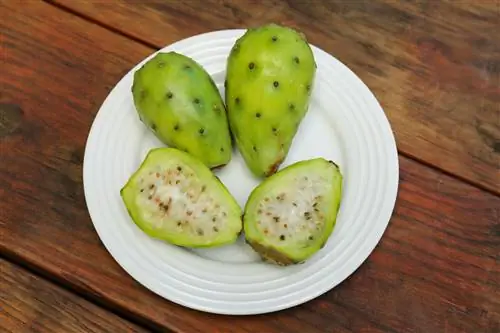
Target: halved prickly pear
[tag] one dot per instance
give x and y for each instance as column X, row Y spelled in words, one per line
column 178, row 100
column 270, row 74
column 291, row 214
column 174, row 197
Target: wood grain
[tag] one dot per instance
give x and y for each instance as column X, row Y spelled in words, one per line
column 436, row 269
column 31, row 304
column 433, row 65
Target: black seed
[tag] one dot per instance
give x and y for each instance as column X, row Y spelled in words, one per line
column 214, row 219
column 282, row 237
column 142, row 190
column 291, row 106
column 179, row 168
column 258, row 114
column 179, row 223
column 201, row 130
column 308, row 88
column 251, row 65
column 254, row 148
column 311, row 238
column 189, row 213
column 150, row 197
column 307, row 214
column 294, row 203
column 276, row 84
column 170, row 95
column 296, row 59
column 276, row 219
column 196, row 101
column 187, row 67
column 221, row 149
column 237, row 100
column 275, row 129
column 225, row 83
column 153, row 127
column 176, row 127
column 315, row 204
column 274, row 39
column 177, row 182
column 152, row 186
column 216, row 229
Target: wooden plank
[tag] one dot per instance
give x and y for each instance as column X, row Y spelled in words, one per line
column 433, row 65
column 436, row 268
column 29, row 303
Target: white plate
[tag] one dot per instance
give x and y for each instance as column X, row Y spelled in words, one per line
column 345, row 123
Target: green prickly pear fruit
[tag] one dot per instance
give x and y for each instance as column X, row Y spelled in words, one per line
column 175, row 197
column 270, row 74
column 177, row 99
column 291, row 214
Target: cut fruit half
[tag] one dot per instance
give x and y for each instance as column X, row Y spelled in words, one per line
column 174, row 197
column 291, row 215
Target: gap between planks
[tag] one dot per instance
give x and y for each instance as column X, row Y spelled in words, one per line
column 157, row 47
column 117, row 310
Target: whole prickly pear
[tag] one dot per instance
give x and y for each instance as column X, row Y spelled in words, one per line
column 291, row 214
column 270, row 74
column 174, row 197
column 177, row 99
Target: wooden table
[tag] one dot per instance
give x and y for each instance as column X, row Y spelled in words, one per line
column 433, row 65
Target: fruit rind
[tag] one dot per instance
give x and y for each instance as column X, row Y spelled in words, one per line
column 193, row 198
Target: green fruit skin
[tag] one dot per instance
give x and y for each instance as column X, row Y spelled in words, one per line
column 270, row 76
column 178, row 100
column 286, row 253
column 171, row 156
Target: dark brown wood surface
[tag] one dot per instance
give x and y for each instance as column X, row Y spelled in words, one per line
column 435, row 270
column 28, row 303
column 433, row 65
